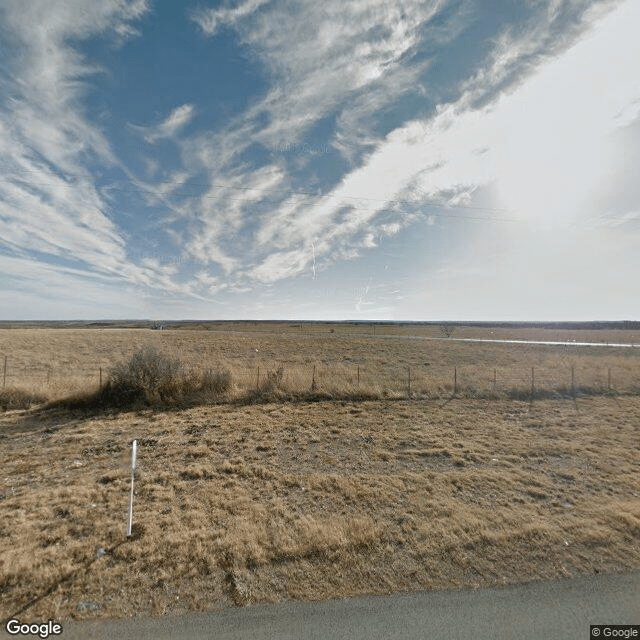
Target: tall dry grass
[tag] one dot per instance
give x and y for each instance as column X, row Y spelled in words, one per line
column 282, row 362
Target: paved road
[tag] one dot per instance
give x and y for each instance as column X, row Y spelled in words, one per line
column 561, row 610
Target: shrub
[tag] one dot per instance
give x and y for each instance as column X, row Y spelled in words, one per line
column 13, row 398
column 149, row 376
column 215, row 382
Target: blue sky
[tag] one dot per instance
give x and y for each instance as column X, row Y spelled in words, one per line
column 407, row 160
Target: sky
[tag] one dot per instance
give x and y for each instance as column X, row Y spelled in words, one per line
column 295, row 159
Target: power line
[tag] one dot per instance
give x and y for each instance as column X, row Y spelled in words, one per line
column 142, row 187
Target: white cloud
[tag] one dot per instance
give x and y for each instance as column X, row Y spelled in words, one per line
column 50, row 208
column 282, row 264
column 543, row 143
column 222, row 216
column 551, row 138
column 211, row 20
column 332, row 57
column 327, row 57
column 175, row 121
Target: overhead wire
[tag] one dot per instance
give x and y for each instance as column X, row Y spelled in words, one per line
column 145, row 188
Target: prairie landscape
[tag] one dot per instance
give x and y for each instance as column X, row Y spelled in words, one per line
column 332, row 462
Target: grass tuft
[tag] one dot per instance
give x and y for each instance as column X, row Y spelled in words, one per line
column 16, row 398
column 215, row 382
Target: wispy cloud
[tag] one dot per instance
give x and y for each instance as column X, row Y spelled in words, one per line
column 171, row 126
column 50, row 206
column 211, row 20
column 365, row 120
column 37, row 290
column 323, row 54
column 222, row 217
column 343, row 63
column 340, row 61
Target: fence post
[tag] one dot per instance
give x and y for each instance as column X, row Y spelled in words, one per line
column 258, row 379
column 573, row 388
column 313, row 379
column 494, row 381
column 358, row 375
column 409, row 381
column 532, row 384
column 100, row 376
column 455, row 379
column 4, row 375
column 609, row 380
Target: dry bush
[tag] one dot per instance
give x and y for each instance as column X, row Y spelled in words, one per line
column 152, row 378
column 149, row 375
column 272, row 381
column 15, row 398
column 216, row 382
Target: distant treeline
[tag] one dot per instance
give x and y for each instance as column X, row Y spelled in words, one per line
column 177, row 324
column 572, row 326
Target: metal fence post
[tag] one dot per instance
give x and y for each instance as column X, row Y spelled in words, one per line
column 532, row 384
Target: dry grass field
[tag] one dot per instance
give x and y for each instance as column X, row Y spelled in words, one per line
column 50, row 363
column 260, row 496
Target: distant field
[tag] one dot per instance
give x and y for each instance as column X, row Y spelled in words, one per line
column 53, row 362
column 254, row 500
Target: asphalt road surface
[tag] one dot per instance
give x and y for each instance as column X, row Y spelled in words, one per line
column 549, row 610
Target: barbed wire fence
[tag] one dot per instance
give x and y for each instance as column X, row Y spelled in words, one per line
column 399, row 380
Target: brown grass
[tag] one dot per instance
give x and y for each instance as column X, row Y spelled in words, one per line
column 54, row 363
column 241, row 503
column 238, row 505
column 12, row 399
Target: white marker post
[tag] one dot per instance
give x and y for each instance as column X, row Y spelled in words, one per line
column 133, row 469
